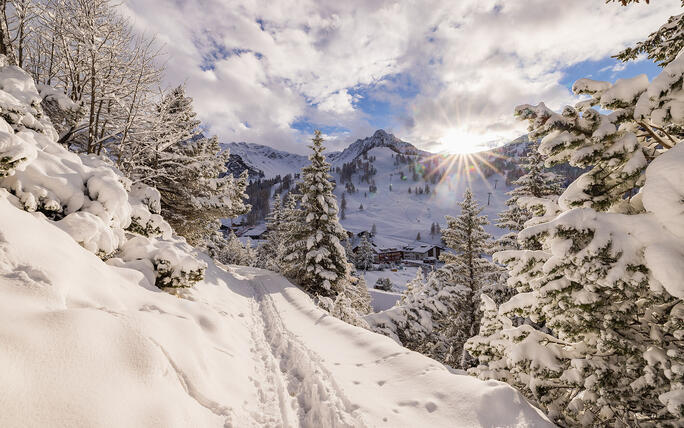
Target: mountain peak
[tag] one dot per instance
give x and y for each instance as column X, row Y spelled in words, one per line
column 380, row 138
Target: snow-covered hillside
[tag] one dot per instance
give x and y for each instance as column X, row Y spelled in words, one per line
column 269, row 161
column 399, row 215
column 83, row 343
column 89, row 342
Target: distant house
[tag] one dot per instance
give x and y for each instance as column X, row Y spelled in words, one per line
column 390, row 255
column 255, row 232
column 421, row 251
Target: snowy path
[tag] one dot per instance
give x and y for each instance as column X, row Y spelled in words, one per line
column 338, row 375
column 83, row 343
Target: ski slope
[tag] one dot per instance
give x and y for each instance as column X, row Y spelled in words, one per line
column 399, row 216
column 83, row 343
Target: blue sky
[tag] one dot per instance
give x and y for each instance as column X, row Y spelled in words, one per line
column 440, row 74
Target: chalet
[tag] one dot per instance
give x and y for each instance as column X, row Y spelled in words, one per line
column 390, row 255
column 421, row 252
column 257, row 232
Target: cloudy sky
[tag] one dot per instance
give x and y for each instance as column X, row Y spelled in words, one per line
column 441, row 74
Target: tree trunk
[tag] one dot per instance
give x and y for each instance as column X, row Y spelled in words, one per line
column 5, row 43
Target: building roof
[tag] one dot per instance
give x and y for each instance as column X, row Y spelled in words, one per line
column 257, row 230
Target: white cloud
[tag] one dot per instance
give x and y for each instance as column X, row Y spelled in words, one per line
column 472, row 61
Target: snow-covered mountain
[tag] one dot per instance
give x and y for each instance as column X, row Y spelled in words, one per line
column 268, row 161
column 379, row 139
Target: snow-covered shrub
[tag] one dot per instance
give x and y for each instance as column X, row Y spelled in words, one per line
column 145, row 217
column 421, row 321
column 63, row 112
column 85, row 195
column 171, row 261
column 384, row 284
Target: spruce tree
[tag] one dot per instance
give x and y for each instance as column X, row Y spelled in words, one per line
column 468, row 267
column 293, row 248
column 535, row 184
column 351, row 257
column 324, row 269
column 437, row 316
column 271, row 252
column 413, row 288
column 365, row 254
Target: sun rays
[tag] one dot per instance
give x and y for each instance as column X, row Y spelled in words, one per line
column 453, row 169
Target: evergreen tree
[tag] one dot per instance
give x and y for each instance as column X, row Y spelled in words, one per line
column 229, row 250
column 418, row 237
column 365, row 254
column 413, row 288
column 272, row 251
column 609, row 354
column 438, row 316
column 468, row 267
column 188, row 169
column 535, row 184
column 343, row 207
column 351, row 257
column 323, row 269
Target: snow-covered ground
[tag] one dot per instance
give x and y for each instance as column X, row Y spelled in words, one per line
column 83, row 343
column 382, row 300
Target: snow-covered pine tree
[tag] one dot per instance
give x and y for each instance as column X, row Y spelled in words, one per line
column 535, row 183
column 324, row 270
column 293, row 248
column 468, row 267
column 351, row 257
column 343, row 207
column 607, row 282
column 188, row 169
column 365, row 255
column 662, row 46
column 229, row 250
column 437, row 317
column 413, row 287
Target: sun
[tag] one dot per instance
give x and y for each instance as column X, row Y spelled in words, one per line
column 459, row 141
